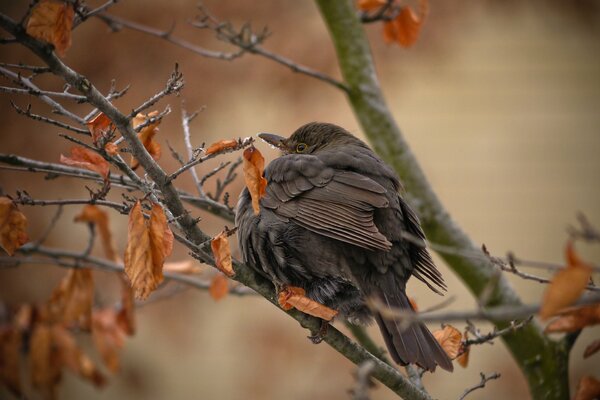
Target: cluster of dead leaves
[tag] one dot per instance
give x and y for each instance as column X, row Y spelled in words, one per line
column 404, row 29
column 52, row 21
column 13, row 225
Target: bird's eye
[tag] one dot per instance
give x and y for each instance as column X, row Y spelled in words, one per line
column 301, row 147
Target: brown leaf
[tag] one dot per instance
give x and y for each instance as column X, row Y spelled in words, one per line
column 69, row 354
column 219, row 287
column 52, row 22
column 99, row 127
column 108, row 337
column 95, row 215
column 45, row 370
column 86, row 158
column 221, row 145
column 10, row 354
column 592, row 348
column 71, row 301
column 126, row 315
column 450, row 339
column 588, row 389
column 463, row 358
column 370, row 5
column 111, row 149
column 146, row 136
column 186, row 267
column 574, row 319
column 292, row 296
column 12, row 226
column 405, row 28
column 147, row 247
column 567, row 284
column 254, row 165
column 220, row 248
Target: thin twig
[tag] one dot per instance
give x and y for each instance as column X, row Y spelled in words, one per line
column 489, row 337
column 27, row 112
column 481, row 384
column 32, row 92
column 185, row 123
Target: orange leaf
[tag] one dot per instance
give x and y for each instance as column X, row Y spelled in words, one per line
column 185, row 267
column 587, row 389
column 95, row 215
column 575, row 319
column 292, row 296
column 126, row 315
column 85, row 158
column 219, row 287
column 72, row 300
column 71, row 356
column 220, row 248
column 413, row 304
column 369, row 5
column 45, row 371
column 10, row 354
column 111, row 149
column 52, row 22
column 567, row 284
column 221, row 145
column 147, row 248
column 254, row 165
column 463, row 359
column 99, row 127
column 592, row 348
column 450, row 339
column 108, row 337
column 12, row 226
column 405, row 28
column 146, row 136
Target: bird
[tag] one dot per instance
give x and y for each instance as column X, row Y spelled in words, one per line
column 332, row 221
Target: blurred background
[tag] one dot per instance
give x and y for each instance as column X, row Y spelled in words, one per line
column 499, row 101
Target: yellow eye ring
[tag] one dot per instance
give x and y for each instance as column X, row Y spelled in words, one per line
column 301, row 147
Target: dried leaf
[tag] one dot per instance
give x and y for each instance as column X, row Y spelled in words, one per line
column 567, row 284
column 413, row 304
column 295, row 297
column 99, row 127
column 575, row 319
column 146, row 136
column 254, row 165
column 220, row 248
column 588, row 389
column 45, row 370
column 126, row 315
column 108, row 337
column 219, row 287
column 405, row 28
column 95, row 215
column 52, row 22
column 10, row 353
column 12, row 226
column 221, row 145
column 592, row 348
column 70, row 355
column 111, row 149
column 71, row 301
column 370, row 5
column 147, row 248
column 85, row 158
column 450, row 339
column 186, row 267
column 463, row 359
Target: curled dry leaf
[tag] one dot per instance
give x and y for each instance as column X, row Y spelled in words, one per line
column 146, row 136
column 86, row 158
column 126, row 315
column 12, row 226
column 99, row 127
column 592, row 348
column 219, row 287
column 71, row 301
column 463, row 358
column 450, row 339
column 295, row 297
column 254, row 165
column 220, row 248
column 95, row 215
column 10, row 353
column 52, row 22
column 147, row 247
column 588, row 389
column 575, row 319
column 370, row 5
column 567, row 284
column 45, row 371
column 108, row 337
column 221, row 145
column 111, row 149
column 186, row 267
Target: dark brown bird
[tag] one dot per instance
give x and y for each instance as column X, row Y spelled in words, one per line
column 331, row 222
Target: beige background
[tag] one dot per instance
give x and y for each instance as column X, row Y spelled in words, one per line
column 499, row 102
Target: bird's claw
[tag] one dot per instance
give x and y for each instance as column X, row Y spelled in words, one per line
column 318, row 337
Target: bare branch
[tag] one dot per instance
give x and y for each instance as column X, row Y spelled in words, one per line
column 488, row 338
column 27, row 112
column 174, row 85
column 484, row 379
column 185, row 123
column 32, row 92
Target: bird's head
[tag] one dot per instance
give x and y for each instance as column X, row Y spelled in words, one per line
column 311, row 138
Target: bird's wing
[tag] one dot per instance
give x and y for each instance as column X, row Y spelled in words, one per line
column 334, row 203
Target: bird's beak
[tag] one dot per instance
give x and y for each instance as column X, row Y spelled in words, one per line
column 274, row 140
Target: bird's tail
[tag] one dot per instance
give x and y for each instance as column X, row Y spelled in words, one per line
column 413, row 344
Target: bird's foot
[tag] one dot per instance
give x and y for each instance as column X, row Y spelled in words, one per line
column 318, row 336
